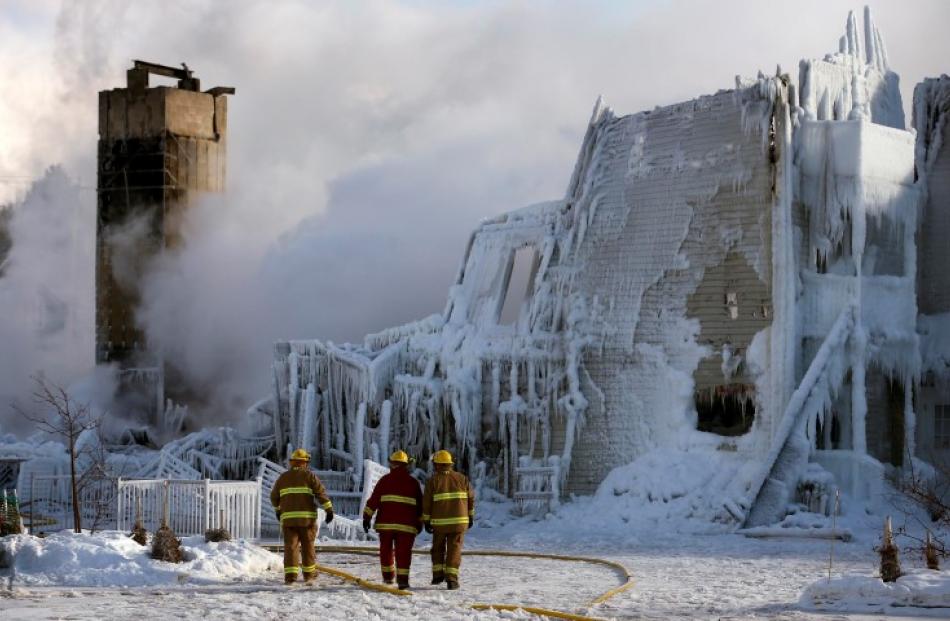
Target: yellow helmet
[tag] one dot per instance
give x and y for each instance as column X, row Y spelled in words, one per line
column 300, row 455
column 399, row 457
column 442, row 457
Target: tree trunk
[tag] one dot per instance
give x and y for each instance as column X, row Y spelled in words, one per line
column 75, row 487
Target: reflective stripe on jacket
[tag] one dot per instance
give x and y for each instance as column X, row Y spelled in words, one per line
column 398, row 498
column 448, row 502
column 296, row 494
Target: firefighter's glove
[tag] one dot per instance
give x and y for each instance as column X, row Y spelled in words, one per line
column 329, row 517
column 278, row 514
column 428, row 526
column 366, row 524
column 471, row 521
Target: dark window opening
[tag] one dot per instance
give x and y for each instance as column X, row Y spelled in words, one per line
column 833, row 440
column 726, row 410
column 895, row 406
column 942, row 426
column 521, row 270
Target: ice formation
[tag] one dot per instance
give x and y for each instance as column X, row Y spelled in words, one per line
column 736, row 278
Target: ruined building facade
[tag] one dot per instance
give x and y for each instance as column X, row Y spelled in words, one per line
column 158, row 147
column 733, row 275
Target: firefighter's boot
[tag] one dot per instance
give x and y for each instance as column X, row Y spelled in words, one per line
column 451, row 585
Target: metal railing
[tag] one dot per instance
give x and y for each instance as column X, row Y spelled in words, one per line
column 50, row 505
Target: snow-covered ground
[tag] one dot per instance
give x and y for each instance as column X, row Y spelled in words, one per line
column 677, row 576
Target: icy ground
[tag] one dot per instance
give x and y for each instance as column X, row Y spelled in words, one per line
column 677, row 577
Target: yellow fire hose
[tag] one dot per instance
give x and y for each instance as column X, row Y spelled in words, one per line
column 556, row 614
column 366, row 584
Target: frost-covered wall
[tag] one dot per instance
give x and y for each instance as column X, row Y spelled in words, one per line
column 655, row 267
column 680, row 232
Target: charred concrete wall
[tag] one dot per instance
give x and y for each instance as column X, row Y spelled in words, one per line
column 157, row 146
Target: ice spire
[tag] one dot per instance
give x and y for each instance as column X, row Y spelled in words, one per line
column 855, row 83
column 875, row 53
column 851, row 40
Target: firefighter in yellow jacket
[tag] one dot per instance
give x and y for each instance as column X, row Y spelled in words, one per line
column 295, row 496
column 448, row 510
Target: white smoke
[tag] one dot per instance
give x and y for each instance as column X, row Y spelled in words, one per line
column 46, row 292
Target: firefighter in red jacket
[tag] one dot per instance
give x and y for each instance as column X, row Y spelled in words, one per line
column 398, row 498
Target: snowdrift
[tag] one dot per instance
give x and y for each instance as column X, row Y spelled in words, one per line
column 921, row 588
column 113, row 559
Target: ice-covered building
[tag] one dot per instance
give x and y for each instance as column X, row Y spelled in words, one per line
column 932, row 123
column 732, row 275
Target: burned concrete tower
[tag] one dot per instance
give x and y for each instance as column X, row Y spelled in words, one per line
column 158, row 147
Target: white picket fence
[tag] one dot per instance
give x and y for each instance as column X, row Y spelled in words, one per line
column 192, row 507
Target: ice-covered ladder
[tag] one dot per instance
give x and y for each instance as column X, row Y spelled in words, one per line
column 790, row 450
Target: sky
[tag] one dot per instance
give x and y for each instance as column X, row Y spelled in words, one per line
column 366, row 141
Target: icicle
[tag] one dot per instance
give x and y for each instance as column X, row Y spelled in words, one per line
column 293, row 390
column 359, row 425
column 870, row 40
column 308, row 435
column 859, row 403
column 385, row 417
column 910, row 423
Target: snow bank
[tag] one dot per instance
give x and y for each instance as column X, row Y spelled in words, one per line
column 921, row 588
column 113, row 559
column 676, row 489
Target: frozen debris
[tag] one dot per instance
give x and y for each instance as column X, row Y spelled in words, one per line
column 790, row 450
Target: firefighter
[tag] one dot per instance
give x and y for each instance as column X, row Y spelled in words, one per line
column 295, row 496
column 448, row 510
column 398, row 498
